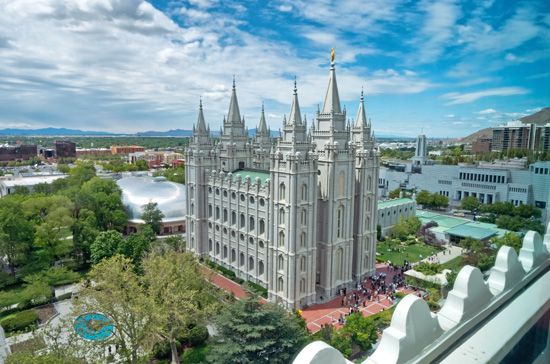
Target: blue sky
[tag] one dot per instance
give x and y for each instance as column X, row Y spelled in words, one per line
column 446, row 68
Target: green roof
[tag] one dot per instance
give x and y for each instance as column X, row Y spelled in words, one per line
column 394, row 202
column 470, row 230
column 459, row 226
column 252, row 173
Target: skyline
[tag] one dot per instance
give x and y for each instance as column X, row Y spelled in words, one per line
column 444, row 68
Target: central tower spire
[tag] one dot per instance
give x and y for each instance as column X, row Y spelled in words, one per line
column 332, row 99
column 234, row 115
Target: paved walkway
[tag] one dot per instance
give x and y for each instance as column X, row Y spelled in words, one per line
column 225, row 283
column 450, row 252
column 329, row 312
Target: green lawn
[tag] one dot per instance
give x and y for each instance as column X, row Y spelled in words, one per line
column 410, row 253
column 454, row 264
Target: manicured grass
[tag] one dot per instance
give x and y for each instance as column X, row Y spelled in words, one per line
column 454, row 264
column 410, row 253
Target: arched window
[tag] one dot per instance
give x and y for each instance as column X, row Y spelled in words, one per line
column 209, row 244
column 304, row 192
column 281, row 215
column 251, row 223
column 280, row 263
column 302, row 285
column 262, row 226
column 369, row 183
column 224, row 252
column 339, row 257
column 209, row 210
column 281, row 238
column 192, row 209
column 217, row 248
column 303, row 217
column 260, row 267
column 250, row 263
column 280, row 284
column 225, row 215
column 192, row 226
column 340, row 222
column 367, row 222
column 302, row 263
column 233, row 255
column 217, row 212
column 282, row 191
column 368, row 204
column 243, row 221
column 241, row 259
column 303, row 239
column 233, row 218
column 192, row 192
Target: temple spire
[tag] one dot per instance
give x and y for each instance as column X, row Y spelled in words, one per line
column 234, row 115
column 201, row 124
column 361, row 119
column 295, row 117
column 262, row 129
column 332, row 99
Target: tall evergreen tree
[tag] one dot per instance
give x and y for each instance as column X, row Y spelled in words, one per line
column 251, row 332
column 152, row 216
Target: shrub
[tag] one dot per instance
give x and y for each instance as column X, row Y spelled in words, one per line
column 8, row 298
column 6, row 280
column 257, row 289
column 195, row 355
column 162, row 350
column 19, row 321
column 428, row 269
column 197, row 335
column 58, row 276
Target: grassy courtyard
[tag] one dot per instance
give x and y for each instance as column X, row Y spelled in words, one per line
column 397, row 254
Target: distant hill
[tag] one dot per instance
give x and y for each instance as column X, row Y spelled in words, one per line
column 168, row 133
column 51, row 132
column 540, row 118
column 483, row 133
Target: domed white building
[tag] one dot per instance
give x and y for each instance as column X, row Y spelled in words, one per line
column 170, row 197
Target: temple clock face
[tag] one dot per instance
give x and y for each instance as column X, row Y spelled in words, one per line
column 94, row 326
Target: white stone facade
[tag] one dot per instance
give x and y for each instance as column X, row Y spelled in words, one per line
column 297, row 216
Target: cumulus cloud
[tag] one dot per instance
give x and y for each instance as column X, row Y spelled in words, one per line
column 120, row 64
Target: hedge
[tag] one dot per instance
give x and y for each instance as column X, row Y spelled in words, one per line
column 262, row 291
column 19, row 321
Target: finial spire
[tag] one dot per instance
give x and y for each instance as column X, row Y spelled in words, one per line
column 295, row 115
column 332, row 56
column 332, row 99
column 233, row 81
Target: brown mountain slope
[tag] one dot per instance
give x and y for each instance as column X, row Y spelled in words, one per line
column 540, row 118
column 483, row 133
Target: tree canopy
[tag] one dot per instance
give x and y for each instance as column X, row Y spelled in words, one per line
column 251, row 332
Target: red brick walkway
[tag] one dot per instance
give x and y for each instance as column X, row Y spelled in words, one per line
column 328, row 313
column 226, row 284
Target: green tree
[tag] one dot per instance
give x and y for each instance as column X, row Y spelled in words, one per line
column 181, row 295
column 16, row 234
column 142, row 165
column 251, row 332
column 405, row 226
column 84, row 233
column 395, row 193
column 152, row 216
column 36, row 289
column 470, row 203
column 106, row 245
column 104, row 198
column 424, row 198
column 510, row 239
column 81, row 173
column 53, row 236
column 137, row 245
column 119, row 293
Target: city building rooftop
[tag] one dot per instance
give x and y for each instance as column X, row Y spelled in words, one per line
column 394, row 202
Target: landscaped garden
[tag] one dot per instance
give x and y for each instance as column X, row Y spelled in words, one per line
column 398, row 253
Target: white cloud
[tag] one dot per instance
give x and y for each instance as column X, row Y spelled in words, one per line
column 486, row 111
column 285, row 8
column 450, row 115
column 464, row 98
column 437, row 30
column 119, row 64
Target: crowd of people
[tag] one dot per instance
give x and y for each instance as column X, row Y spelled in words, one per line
column 374, row 289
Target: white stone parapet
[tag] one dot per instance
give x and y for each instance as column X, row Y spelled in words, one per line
column 415, row 335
